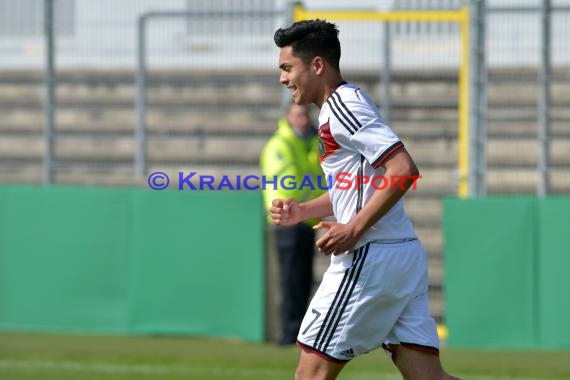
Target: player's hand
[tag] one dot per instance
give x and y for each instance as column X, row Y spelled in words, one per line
column 338, row 239
column 285, row 212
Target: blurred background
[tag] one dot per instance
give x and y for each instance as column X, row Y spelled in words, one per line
column 96, row 96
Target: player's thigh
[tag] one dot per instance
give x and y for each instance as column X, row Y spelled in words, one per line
column 314, row 367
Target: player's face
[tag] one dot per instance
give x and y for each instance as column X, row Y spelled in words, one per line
column 297, row 76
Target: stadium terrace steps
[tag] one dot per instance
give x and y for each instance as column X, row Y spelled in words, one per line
column 525, row 181
column 160, row 149
column 432, row 241
column 122, row 121
column 244, row 122
column 215, row 123
column 421, row 209
column 188, row 148
column 518, row 127
column 21, row 173
column 500, row 152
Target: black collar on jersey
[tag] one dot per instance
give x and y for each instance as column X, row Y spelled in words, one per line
column 342, row 82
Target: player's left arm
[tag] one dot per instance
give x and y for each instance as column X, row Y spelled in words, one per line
column 342, row 237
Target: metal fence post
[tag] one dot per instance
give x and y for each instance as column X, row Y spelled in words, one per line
column 141, row 159
column 49, row 95
column 544, row 99
column 477, row 100
column 140, row 130
column 289, row 19
column 386, row 75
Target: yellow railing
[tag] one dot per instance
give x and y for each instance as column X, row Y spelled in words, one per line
column 460, row 16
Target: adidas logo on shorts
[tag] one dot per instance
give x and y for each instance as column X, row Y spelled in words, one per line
column 348, row 353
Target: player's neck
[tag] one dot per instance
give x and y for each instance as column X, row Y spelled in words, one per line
column 330, row 86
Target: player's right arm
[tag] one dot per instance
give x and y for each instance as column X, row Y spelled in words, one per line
column 286, row 212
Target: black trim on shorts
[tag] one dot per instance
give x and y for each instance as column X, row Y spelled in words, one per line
column 340, row 288
column 321, row 354
column 413, row 346
column 364, row 253
column 421, row 347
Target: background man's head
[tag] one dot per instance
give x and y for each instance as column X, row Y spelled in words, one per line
column 299, row 118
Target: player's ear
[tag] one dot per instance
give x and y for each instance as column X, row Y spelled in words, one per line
column 318, row 65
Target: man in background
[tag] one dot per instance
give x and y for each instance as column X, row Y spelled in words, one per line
column 291, row 154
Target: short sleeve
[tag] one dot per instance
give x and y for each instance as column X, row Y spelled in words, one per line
column 372, row 138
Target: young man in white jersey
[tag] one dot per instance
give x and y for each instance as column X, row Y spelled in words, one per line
column 374, row 293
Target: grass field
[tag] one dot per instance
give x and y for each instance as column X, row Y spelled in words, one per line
column 81, row 357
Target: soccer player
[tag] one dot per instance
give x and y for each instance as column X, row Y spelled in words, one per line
column 374, row 293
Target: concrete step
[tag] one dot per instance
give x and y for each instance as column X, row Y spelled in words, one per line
column 436, row 179
column 419, row 115
column 404, row 94
column 501, row 81
column 525, row 92
column 126, row 94
column 442, row 152
column 21, row 147
column 211, row 149
column 525, row 152
column 246, row 121
column 525, row 112
column 166, row 149
column 525, row 128
column 436, row 304
column 31, row 172
column 435, row 271
column 124, row 121
column 427, row 129
column 431, row 239
column 190, row 121
column 28, row 173
column 212, row 91
column 423, row 210
column 525, row 181
column 86, row 178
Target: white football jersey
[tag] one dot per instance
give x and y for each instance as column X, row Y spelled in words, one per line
column 355, row 141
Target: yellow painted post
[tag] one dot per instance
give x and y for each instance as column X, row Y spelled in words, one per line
column 462, row 17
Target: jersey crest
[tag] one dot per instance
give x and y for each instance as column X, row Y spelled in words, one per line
column 327, row 143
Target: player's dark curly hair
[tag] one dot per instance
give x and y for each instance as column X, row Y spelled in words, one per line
column 311, row 38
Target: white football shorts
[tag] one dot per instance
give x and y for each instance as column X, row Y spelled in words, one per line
column 371, row 297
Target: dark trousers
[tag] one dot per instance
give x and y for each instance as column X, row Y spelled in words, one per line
column 295, row 248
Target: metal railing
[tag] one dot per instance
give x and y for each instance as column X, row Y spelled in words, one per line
column 143, row 20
